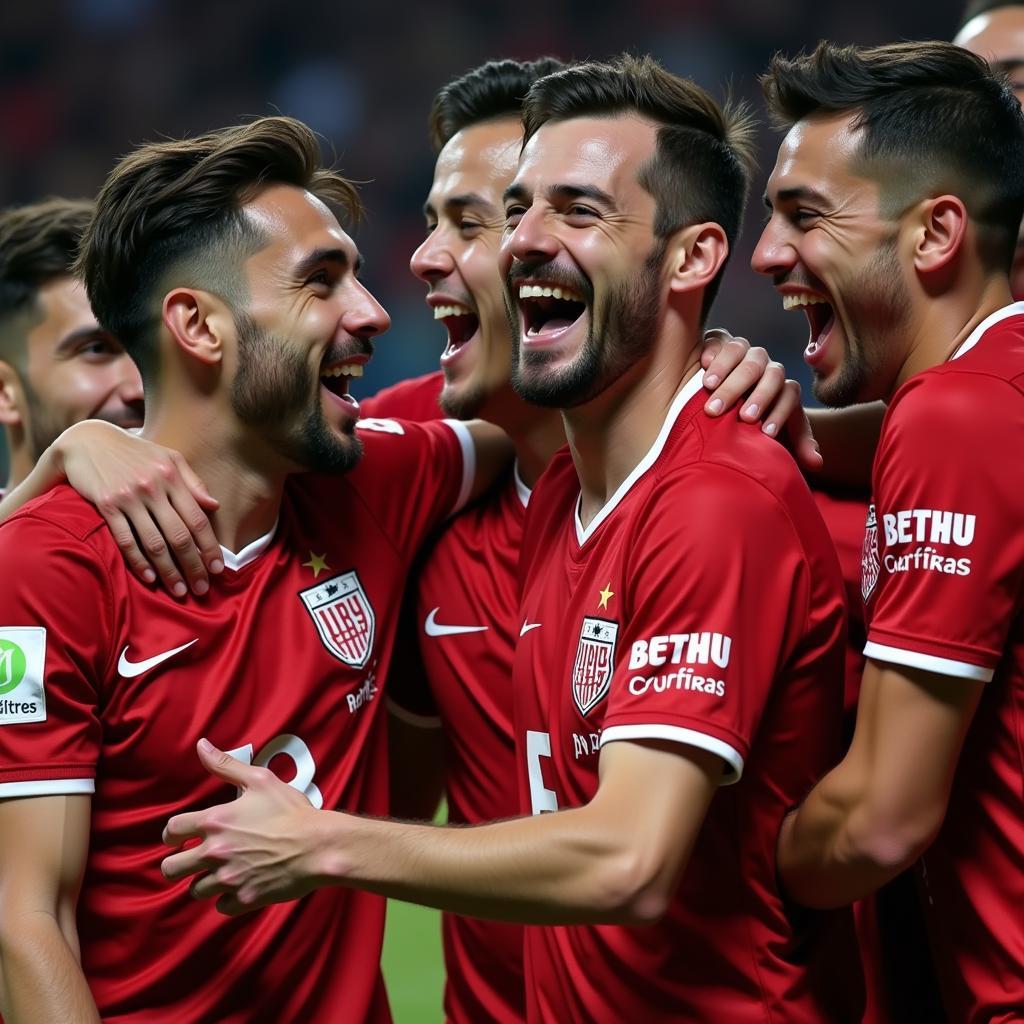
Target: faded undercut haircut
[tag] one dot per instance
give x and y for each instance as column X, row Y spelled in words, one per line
column 934, row 120
column 38, row 243
column 491, row 91
column 170, row 215
column 704, row 155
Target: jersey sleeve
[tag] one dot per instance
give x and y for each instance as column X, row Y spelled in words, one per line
column 415, row 475
column 55, row 624
column 717, row 588
column 947, row 542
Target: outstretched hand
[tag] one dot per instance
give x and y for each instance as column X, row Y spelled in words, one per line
column 154, row 504
column 251, row 852
column 732, row 367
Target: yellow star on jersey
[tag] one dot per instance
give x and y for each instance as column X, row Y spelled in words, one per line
column 318, row 563
column 606, row 595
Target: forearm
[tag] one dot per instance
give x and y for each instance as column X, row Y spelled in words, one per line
column 833, row 850
column 847, row 439
column 42, row 979
column 555, row 868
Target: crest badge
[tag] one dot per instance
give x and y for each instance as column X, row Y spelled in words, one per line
column 343, row 616
column 595, row 659
column 869, row 563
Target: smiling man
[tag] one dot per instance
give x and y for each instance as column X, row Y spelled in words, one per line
column 57, row 365
column 221, row 266
column 647, row 668
column 895, row 205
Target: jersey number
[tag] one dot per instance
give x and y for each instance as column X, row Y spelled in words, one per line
column 291, row 747
column 538, row 745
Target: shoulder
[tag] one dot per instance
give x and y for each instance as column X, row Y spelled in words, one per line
column 414, row 399
column 61, row 512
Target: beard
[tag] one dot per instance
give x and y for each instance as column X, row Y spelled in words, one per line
column 879, row 299
column 620, row 332
column 462, row 403
column 271, row 394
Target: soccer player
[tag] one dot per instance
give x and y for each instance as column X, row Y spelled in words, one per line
column 462, row 624
column 654, row 662
column 895, row 204
column 57, row 365
column 231, row 282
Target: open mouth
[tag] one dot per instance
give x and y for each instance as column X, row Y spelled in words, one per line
column 336, row 376
column 461, row 324
column 549, row 309
column 820, row 318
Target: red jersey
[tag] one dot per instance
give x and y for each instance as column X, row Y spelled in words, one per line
column 943, row 583
column 702, row 606
column 456, row 671
column 106, row 684
column 414, row 399
column 465, row 608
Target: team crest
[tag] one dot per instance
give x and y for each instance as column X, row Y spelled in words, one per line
column 343, row 617
column 869, row 564
column 595, row 657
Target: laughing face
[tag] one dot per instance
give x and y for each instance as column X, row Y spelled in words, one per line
column 458, row 261
column 304, row 334
column 582, row 266
column 832, row 255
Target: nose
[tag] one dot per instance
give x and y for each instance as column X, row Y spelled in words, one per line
column 130, row 387
column 531, row 239
column 773, row 253
column 363, row 316
column 432, row 261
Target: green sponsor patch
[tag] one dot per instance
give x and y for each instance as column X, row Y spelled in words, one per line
column 12, row 666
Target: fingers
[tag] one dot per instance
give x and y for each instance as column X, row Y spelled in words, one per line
column 194, row 484
column 714, row 338
column 774, row 399
column 121, row 531
column 181, row 828
column 226, row 767
column 738, row 368
column 801, row 441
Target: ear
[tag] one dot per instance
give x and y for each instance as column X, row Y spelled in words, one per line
column 197, row 321
column 696, row 256
column 10, row 392
column 939, row 230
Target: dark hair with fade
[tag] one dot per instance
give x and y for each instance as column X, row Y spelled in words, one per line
column 976, row 7
column 704, row 156
column 176, row 207
column 492, row 90
column 38, row 242
column 934, row 118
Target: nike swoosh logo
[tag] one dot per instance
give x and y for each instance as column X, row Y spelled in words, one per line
column 527, row 626
column 433, row 628
column 129, row 669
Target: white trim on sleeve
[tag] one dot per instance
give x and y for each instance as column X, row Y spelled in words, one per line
column 522, row 490
column 411, row 718
column 461, row 431
column 47, row 787
column 690, row 737
column 928, row 662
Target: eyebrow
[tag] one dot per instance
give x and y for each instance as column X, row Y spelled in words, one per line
column 787, row 195
column 459, row 202
column 520, row 192
column 339, row 257
column 69, row 341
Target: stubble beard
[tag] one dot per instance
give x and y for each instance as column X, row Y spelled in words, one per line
column 271, row 393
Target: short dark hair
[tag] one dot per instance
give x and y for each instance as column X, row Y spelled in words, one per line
column 934, row 118
column 38, row 242
column 495, row 89
column 976, row 7
column 704, row 155
column 176, row 205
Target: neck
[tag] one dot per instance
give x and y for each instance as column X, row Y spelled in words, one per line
column 932, row 342
column 611, row 434
column 249, row 489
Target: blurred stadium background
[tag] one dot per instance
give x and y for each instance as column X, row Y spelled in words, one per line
column 81, row 81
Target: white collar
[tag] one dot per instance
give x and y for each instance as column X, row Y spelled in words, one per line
column 1013, row 309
